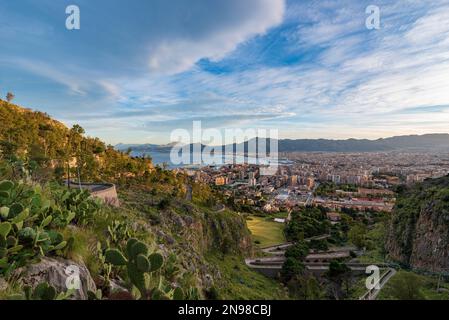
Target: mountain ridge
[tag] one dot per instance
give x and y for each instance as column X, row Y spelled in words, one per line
column 426, row 142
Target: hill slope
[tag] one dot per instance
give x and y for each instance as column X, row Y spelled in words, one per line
column 47, row 144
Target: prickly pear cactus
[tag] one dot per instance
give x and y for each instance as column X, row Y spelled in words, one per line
column 138, row 262
column 25, row 227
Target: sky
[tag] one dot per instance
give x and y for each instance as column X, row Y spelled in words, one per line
column 136, row 70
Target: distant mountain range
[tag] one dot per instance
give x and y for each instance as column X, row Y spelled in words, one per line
column 144, row 148
column 418, row 143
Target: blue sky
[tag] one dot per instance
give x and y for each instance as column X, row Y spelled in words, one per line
column 137, row 70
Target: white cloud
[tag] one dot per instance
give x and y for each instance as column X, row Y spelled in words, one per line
column 45, row 70
column 210, row 32
column 353, row 82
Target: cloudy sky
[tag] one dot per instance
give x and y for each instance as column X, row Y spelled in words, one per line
column 138, row 69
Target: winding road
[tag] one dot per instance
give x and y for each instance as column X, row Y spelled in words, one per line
column 318, row 263
column 374, row 292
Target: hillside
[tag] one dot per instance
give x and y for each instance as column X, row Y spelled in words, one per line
column 157, row 245
column 419, row 229
column 436, row 142
column 47, row 147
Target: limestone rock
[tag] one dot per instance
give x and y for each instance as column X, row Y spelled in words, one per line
column 3, row 284
column 61, row 274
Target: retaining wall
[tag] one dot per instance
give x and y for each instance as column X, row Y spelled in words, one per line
column 104, row 191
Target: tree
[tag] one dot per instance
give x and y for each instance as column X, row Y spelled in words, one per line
column 298, row 251
column 320, row 245
column 405, row 286
column 338, row 274
column 357, row 235
column 305, row 287
column 294, row 265
column 291, row 268
column 307, row 222
column 9, row 96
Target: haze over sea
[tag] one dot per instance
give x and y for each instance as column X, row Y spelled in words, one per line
column 160, row 158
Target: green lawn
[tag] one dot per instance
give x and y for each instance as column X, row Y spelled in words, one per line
column 267, row 232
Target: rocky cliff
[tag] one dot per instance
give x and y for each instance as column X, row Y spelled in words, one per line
column 418, row 234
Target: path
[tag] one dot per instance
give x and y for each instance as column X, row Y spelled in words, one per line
column 311, row 195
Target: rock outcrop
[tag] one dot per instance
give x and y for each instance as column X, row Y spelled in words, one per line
column 196, row 233
column 60, row 273
column 418, row 234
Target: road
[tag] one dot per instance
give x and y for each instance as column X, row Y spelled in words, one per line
column 271, row 267
column 373, row 293
column 310, row 198
column 280, row 248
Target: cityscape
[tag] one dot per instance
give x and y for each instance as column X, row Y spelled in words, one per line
column 224, row 158
column 362, row 181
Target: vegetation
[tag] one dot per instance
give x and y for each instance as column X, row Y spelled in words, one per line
column 339, row 277
column 139, row 265
column 42, row 291
column 47, row 149
column 34, row 224
column 293, row 266
column 265, row 231
column 430, row 198
column 29, row 223
column 404, row 286
column 329, row 188
column 309, row 222
column 238, row 282
column 410, row 285
column 358, row 235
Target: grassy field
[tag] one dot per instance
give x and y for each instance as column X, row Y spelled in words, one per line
column 264, row 232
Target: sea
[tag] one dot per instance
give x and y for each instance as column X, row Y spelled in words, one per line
column 163, row 158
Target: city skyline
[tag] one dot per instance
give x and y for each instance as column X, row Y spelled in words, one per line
column 309, row 69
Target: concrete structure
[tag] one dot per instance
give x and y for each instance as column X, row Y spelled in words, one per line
column 271, row 267
column 316, row 263
column 104, row 191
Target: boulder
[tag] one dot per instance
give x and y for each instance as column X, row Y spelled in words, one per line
column 3, row 284
column 60, row 273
